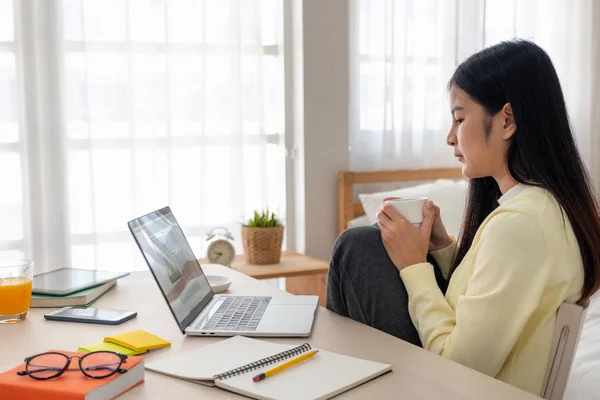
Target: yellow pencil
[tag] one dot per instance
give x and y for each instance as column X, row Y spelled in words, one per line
column 284, row 366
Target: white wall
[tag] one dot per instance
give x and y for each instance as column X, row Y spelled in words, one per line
column 318, row 119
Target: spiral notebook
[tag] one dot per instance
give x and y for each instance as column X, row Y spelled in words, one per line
column 231, row 364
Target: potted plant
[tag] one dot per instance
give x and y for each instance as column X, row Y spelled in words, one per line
column 262, row 236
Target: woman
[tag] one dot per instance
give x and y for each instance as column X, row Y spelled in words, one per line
column 530, row 239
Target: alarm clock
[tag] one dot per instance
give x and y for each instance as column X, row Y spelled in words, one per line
column 220, row 250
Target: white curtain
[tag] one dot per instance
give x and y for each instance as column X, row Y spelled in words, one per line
column 111, row 109
column 405, row 51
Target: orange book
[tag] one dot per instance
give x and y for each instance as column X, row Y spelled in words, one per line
column 72, row 385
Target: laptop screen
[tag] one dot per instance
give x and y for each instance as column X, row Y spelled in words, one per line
column 173, row 264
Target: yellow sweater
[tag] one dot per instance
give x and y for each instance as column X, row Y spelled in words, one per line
column 499, row 311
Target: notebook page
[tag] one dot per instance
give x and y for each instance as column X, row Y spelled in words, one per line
column 324, row 376
column 202, row 364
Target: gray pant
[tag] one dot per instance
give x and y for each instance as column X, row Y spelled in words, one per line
column 365, row 285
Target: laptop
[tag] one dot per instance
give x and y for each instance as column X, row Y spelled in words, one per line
column 197, row 310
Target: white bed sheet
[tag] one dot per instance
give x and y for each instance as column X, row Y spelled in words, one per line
column 584, row 381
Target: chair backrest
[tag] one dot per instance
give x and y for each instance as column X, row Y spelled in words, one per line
column 569, row 322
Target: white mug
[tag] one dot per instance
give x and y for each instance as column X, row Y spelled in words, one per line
column 411, row 208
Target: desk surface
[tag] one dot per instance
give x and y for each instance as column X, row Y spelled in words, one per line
column 417, row 374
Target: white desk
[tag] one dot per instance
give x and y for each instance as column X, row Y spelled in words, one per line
column 417, row 374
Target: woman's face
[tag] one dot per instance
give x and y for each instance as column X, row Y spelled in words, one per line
column 480, row 140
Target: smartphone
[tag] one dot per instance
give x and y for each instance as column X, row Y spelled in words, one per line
column 91, row 315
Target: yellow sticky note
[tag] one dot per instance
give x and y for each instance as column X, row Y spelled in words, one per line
column 138, row 340
column 109, row 347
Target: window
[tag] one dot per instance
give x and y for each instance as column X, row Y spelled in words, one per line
column 159, row 102
column 12, row 215
column 405, row 51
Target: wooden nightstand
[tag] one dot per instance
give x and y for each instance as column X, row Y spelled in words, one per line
column 303, row 274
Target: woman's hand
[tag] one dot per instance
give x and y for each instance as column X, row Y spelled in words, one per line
column 439, row 236
column 405, row 244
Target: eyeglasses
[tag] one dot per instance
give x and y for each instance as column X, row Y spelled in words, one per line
column 97, row 365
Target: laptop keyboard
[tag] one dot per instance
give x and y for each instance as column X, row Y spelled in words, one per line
column 238, row 314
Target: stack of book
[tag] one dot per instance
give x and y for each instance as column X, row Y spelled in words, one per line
column 73, row 385
column 82, row 298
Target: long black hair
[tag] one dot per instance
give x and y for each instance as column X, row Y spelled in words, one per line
column 542, row 151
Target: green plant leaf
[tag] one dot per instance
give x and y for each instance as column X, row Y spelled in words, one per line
column 263, row 219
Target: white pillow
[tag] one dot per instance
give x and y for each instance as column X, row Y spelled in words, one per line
column 448, row 195
column 363, row 220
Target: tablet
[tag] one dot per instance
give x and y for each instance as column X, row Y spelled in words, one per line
column 70, row 280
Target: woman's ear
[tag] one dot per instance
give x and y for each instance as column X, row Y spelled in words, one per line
column 510, row 127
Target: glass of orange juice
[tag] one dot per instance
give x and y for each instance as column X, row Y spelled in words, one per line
column 15, row 290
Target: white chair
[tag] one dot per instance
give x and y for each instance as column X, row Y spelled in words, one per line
column 569, row 322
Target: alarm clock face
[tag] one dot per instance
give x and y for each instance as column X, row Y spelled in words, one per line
column 221, row 252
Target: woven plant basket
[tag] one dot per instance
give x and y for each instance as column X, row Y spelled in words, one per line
column 262, row 245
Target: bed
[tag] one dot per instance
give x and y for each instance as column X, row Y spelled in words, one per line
column 445, row 186
column 358, row 204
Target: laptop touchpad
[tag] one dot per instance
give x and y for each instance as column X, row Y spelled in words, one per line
column 288, row 318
